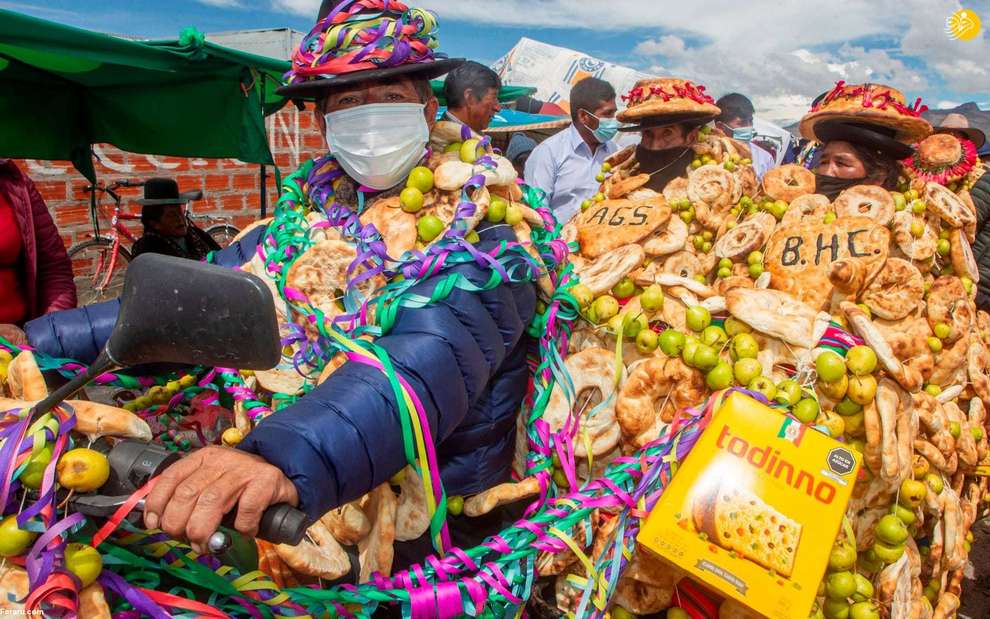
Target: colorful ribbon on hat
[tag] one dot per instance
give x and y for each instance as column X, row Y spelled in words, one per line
column 359, row 35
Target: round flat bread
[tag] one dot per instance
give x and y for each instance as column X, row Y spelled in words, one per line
column 866, row 201
column 713, row 185
column 748, row 236
column 947, row 205
column 676, row 190
column 667, row 239
column 787, row 182
column 590, row 370
column 921, row 248
column 961, row 254
column 397, row 227
column 896, row 290
column 808, row 205
column 949, row 304
column 683, row 264
column 599, row 276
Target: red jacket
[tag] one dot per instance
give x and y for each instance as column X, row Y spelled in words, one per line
column 47, row 278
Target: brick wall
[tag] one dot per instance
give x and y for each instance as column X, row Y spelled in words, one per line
column 231, row 187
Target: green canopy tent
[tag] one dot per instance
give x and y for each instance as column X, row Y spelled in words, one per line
column 63, row 89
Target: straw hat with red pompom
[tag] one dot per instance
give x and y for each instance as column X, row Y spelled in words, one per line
column 662, row 101
column 941, row 158
column 869, row 104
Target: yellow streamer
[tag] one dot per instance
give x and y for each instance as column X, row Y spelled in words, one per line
column 417, row 429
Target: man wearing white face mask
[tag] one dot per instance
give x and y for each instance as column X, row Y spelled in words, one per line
column 462, row 356
column 565, row 164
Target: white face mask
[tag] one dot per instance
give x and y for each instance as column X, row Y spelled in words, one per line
column 378, row 144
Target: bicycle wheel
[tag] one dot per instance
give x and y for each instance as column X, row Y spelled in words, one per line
column 91, row 261
column 223, row 234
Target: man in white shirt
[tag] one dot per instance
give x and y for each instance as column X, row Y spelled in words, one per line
column 736, row 122
column 565, row 165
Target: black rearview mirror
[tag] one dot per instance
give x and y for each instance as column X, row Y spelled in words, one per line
column 180, row 311
column 175, row 310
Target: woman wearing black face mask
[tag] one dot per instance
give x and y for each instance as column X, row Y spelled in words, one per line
column 865, row 131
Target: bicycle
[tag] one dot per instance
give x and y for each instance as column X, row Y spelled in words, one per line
column 223, row 232
column 98, row 264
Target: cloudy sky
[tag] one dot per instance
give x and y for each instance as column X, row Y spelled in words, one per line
column 781, row 52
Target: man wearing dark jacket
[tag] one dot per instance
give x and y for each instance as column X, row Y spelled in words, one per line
column 980, row 193
column 464, row 356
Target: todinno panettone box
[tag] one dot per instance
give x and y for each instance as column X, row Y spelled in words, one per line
column 755, row 506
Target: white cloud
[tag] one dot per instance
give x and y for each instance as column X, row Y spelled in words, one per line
column 306, row 8
column 667, row 45
column 773, row 50
column 225, row 4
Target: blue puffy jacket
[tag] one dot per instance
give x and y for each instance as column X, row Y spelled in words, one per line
column 465, row 357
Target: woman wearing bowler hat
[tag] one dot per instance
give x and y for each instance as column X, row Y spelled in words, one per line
column 167, row 230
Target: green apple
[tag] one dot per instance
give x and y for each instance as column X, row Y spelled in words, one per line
column 719, row 377
column 840, row 585
column 411, row 200
column 605, row 307
column 891, row 530
column 788, row 392
column 582, row 294
column 647, row 341
column 671, row 342
column 842, row 557
column 698, row 317
column 862, row 389
column 743, row 346
column 746, row 369
column 806, row 410
column 861, row 360
column 762, row 384
column 734, row 327
column 705, row 357
column 714, row 336
column 421, row 178
column 652, row 298
column 429, row 228
column 14, row 541
column 469, row 150
column 864, row 588
column 830, row 366
column 624, row 289
column 496, row 210
column 847, row 407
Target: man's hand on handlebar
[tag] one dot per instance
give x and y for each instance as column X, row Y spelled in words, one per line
column 192, row 496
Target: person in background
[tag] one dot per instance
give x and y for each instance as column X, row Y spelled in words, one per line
column 565, row 164
column 167, row 230
column 518, row 152
column 957, row 125
column 736, row 122
column 35, row 271
column 472, row 95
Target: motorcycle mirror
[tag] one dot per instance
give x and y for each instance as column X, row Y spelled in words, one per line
column 175, row 310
